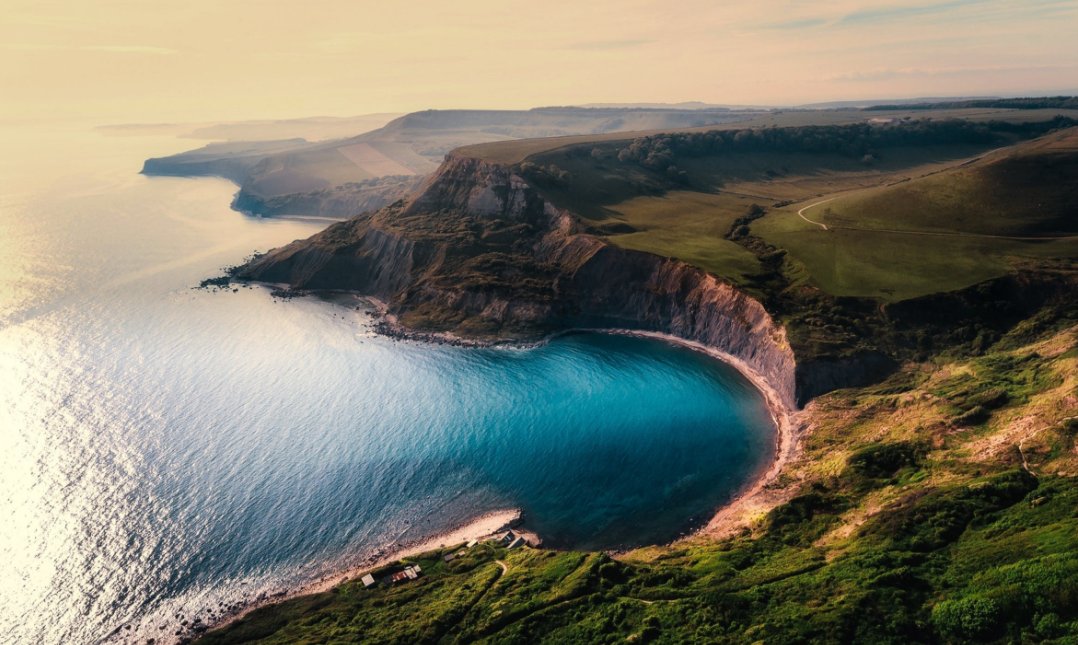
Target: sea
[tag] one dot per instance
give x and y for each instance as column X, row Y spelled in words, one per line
column 167, row 451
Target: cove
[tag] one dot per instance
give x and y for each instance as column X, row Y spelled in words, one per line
column 166, row 451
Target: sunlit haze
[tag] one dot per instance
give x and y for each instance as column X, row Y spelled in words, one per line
column 204, row 59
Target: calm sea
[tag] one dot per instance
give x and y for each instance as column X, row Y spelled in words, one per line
column 164, row 450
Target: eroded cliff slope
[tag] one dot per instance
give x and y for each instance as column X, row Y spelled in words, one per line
column 479, row 252
column 482, row 251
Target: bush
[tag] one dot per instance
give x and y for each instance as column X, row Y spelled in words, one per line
column 970, row 617
column 883, row 460
column 976, row 415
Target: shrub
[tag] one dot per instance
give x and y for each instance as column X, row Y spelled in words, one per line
column 969, row 617
column 883, row 460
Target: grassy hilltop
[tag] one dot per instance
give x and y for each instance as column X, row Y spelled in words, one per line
column 937, row 504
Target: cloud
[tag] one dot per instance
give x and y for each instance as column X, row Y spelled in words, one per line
column 883, row 14
column 607, row 45
column 801, row 23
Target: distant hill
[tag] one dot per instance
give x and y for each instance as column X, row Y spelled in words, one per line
column 684, row 105
column 342, row 177
column 1017, row 103
column 923, row 100
column 316, row 128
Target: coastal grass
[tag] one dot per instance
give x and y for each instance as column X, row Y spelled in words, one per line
column 930, row 524
column 893, row 266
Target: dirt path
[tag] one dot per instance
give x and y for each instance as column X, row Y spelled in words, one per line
column 801, row 213
column 1029, row 238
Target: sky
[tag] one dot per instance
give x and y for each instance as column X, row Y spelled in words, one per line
column 212, row 60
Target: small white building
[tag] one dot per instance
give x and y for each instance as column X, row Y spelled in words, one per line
column 367, row 580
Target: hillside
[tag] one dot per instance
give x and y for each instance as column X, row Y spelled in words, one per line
column 932, row 480
column 988, row 196
column 343, row 177
column 604, row 234
column 668, row 195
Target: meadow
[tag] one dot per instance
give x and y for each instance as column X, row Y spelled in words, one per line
column 887, row 220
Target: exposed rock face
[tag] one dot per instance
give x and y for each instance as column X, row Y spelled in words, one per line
column 615, row 287
column 570, row 280
column 339, row 201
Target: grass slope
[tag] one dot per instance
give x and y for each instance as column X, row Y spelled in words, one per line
column 902, row 220
column 941, row 232
column 939, row 506
column 1026, row 192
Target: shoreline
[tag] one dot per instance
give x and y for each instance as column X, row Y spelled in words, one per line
column 479, row 528
column 752, row 500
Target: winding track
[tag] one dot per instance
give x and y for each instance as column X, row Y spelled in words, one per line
column 1031, row 238
column 801, row 213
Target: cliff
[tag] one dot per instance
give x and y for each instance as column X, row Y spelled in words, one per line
column 482, row 252
column 478, row 251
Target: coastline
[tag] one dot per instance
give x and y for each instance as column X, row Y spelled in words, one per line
column 754, row 499
column 480, row 528
column 757, row 496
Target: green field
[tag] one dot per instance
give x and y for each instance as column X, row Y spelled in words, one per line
column 897, row 266
column 1024, row 193
column 702, row 222
column 911, row 221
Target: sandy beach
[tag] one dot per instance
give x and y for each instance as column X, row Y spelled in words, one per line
column 757, row 497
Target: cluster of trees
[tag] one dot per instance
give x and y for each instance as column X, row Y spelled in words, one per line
column 861, row 140
column 548, row 174
column 1028, row 103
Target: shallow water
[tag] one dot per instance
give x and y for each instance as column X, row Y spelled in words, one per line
column 164, row 449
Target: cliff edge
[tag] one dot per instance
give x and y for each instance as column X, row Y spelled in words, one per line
column 479, row 252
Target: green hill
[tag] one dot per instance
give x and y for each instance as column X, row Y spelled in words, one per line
column 906, row 214
column 1022, row 192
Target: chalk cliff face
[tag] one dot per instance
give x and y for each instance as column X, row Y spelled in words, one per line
column 479, row 252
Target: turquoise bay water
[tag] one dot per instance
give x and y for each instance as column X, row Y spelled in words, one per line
column 164, row 450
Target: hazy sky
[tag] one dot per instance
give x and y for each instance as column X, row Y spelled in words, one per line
column 146, row 60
